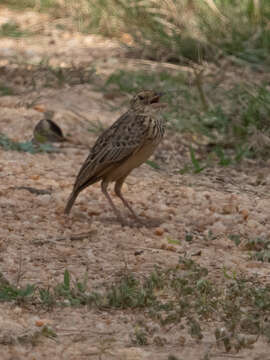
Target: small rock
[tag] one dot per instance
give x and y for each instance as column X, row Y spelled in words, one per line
column 17, row 310
column 252, row 224
column 196, row 253
column 218, row 228
column 244, row 213
column 159, row 231
column 228, row 209
column 162, row 207
column 39, row 323
column 182, row 340
column 124, row 187
column 44, row 199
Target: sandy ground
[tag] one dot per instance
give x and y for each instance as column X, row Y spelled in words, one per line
column 38, row 242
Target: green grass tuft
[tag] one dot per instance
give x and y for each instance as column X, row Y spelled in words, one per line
column 9, row 144
column 6, row 90
column 182, row 294
column 11, row 29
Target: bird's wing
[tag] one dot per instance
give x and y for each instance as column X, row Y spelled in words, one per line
column 55, row 128
column 117, row 143
column 47, row 130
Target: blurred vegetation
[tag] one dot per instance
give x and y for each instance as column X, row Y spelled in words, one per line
column 173, row 30
column 11, row 29
column 170, row 30
column 229, row 121
column 8, row 144
column 38, row 5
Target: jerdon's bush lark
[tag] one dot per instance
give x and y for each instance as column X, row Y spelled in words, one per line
column 128, row 143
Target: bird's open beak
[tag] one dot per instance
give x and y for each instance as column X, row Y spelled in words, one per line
column 156, row 98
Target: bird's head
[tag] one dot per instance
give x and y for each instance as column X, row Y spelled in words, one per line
column 48, row 114
column 144, row 98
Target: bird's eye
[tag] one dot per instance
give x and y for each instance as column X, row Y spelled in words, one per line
column 141, row 97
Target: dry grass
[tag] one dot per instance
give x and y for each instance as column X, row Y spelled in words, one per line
column 173, row 30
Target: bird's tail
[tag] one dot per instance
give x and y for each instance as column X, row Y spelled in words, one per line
column 77, row 190
column 71, row 201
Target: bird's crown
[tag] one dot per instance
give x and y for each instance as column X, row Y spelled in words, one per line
column 145, row 97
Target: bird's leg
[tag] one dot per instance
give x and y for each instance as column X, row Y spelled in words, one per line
column 117, row 189
column 104, row 186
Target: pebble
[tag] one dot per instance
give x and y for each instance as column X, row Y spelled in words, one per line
column 228, row 209
column 159, row 231
column 218, row 228
column 44, row 199
column 39, row 323
column 244, row 213
column 252, row 224
column 17, row 310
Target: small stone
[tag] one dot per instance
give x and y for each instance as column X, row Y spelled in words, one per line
column 35, row 60
column 171, row 248
column 228, row 209
column 207, row 195
column 44, row 199
column 162, row 207
column 124, row 188
column 91, row 212
column 182, row 340
column 159, row 231
column 39, row 323
column 244, row 213
column 252, row 224
column 218, row 228
column 196, row 253
column 188, row 193
column 34, row 177
column 172, row 211
column 17, row 310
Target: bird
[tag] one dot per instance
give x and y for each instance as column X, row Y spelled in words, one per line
column 128, row 143
column 47, row 130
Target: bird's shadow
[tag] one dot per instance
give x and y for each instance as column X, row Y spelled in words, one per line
column 133, row 223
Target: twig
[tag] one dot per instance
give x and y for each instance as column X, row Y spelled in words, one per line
column 74, row 237
column 33, row 190
column 80, row 236
column 228, row 356
column 198, row 83
column 20, row 272
column 70, row 332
